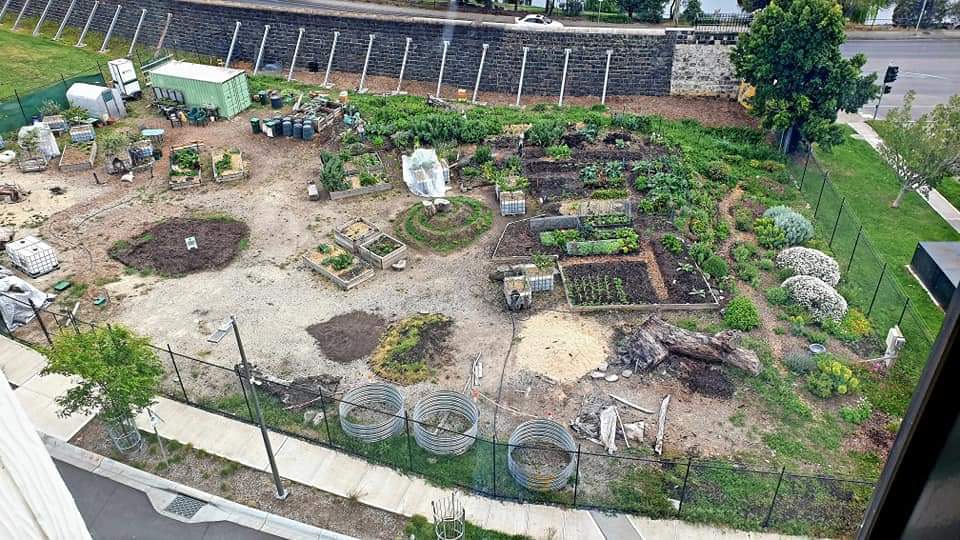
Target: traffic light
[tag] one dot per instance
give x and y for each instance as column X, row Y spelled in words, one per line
column 887, row 89
column 891, row 74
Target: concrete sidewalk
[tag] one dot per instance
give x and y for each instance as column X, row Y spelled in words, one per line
column 936, row 201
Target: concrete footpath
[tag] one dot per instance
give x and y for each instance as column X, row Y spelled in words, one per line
column 938, row 202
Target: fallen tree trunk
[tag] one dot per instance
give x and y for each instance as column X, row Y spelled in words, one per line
column 655, row 339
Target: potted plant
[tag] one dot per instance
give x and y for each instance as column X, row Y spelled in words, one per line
column 119, row 375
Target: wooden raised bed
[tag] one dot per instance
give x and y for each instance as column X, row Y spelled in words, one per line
column 181, row 178
column 78, row 157
column 355, row 173
column 345, row 278
column 354, row 233
column 371, row 249
column 237, row 169
column 703, row 306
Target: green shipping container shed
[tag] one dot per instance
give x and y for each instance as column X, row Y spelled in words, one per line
column 204, row 85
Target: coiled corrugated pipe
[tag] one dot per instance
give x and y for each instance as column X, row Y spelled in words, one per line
column 373, row 397
column 540, row 434
column 440, row 441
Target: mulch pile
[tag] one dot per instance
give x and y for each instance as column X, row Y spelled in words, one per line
column 706, row 380
column 163, row 249
column 348, row 337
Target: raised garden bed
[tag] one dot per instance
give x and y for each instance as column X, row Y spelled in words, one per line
column 354, row 233
column 338, row 265
column 78, row 157
column 32, row 163
column 364, row 175
column 383, row 251
column 228, row 166
column 185, row 168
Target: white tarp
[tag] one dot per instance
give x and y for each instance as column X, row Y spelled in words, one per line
column 15, row 297
column 425, row 174
column 97, row 100
column 46, row 142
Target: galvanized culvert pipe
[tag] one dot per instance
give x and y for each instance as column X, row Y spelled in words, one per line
column 377, row 400
column 431, row 411
column 539, row 435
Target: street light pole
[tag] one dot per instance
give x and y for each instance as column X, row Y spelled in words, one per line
column 245, row 369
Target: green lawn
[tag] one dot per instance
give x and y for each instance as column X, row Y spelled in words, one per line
column 31, row 62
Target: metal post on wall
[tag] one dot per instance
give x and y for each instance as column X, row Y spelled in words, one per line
column 263, row 43
column 606, row 78
column 333, row 48
column 66, row 17
column 523, row 68
column 877, row 290
column 563, row 77
column 854, row 250
column 83, row 33
column 443, row 64
column 366, row 62
column 176, row 370
column 296, row 51
column 43, row 17
column 113, row 22
column 23, row 10
column 837, row 222
column 403, row 64
column 683, row 491
column 773, row 502
column 476, row 85
column 163, row 34
column 233, row 43
column 136, row 33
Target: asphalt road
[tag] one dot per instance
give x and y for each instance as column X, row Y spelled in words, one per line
column 113, row 511
column 930, row 67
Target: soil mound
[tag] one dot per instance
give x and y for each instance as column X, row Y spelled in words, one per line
column 348, row 337
column 163, row 248
column 708, row 381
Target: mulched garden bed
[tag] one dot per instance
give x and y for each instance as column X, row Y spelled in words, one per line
column 679, row 282
column 519, row 241
column 162, row 248
column 635, row 280
column 348, row 337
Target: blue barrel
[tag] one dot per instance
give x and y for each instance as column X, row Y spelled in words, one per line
column 276, row 101
column 297, row 130
column 287, row 128
column 308, row 132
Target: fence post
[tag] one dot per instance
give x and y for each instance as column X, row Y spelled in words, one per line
column 773, row 502
column 877, row 290
column 22, row 112
column 494, row 467
column 243, row 388
column 177, row 371
column 683, row 491
column 576, row 483
column 903, row 311
column 805, row 163
column 820, row 196
column 64, row 81
column 36, row 313
column 837, row 222
column 323, row 408
column 855, row 244
column 406, row 424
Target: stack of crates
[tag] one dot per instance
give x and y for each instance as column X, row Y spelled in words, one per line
column 82, row 133
column 512, row 203
column 56, row 123
column 141, row 152
column 32, row 255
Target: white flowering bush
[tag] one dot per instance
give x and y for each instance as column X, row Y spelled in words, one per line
column 822, row 301
column 810, row 262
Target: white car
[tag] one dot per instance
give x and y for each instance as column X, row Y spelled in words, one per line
column 538, row 21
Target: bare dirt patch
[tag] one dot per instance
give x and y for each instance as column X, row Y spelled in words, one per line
column 349, row 336
column 561, row 346
column 162, row 248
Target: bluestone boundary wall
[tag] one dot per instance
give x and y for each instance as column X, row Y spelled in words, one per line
column 643, row 61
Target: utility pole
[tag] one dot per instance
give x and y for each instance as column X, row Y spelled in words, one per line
column 923, row 9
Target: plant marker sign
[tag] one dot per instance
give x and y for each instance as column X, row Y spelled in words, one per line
column 191, row 242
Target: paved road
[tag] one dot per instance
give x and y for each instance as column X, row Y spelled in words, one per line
column 117, row 512
column 931, row 67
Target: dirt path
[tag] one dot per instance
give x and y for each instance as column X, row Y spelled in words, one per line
column 653, row 272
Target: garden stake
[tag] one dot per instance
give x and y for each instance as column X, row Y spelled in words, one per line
column 854, row 251
column 776, row 492
column 877, row 290
column 837, row 222
column 177, row 371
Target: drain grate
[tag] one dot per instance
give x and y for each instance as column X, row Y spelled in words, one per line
column 185, row 506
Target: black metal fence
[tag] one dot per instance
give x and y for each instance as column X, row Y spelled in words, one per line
column 632, row 481
column 723, row 22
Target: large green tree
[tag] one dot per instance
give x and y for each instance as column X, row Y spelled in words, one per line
column 644, row 10
column 908, row 11
column 792, row 57
column 925, row 151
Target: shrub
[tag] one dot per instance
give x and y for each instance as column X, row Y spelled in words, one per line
column 742, row 252
column 743, row 219
column 545, row 132
column 859, row 414
column 768, row 234
column 797, row 229
column 856, row 323
column 800, row 362
column 741, row 314
column 748, row 273
column 819, row 299
column 700, row 251
column 815, row 336
column 715, row 266
column 482, row 155
column 778, row 296
column 765, row 264
column 561, row 151
column 832, row 377
column 609, row 193
column 718, row 171
column 810, row 262
column 672, row 243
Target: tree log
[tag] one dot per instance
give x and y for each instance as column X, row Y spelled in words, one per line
column 655, row 339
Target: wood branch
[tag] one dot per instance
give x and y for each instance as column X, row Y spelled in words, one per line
column 661, row 425
column 631, row 404
column 656, row 339
column 626, row 439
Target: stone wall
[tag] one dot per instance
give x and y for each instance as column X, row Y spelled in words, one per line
column 642, row 61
